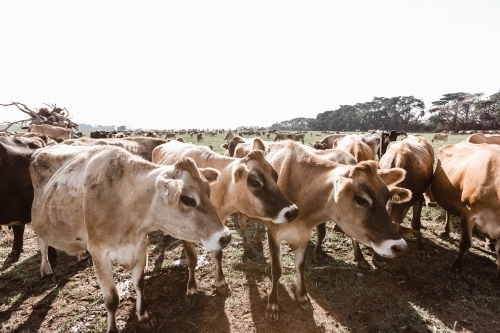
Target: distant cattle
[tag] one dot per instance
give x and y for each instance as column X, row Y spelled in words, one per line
column 83, row 201
column 483, row 138
column 440, row 136
column 199, row 137
column 465, row 183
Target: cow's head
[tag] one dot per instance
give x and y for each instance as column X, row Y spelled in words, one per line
column 187, row 190
column 256, row 191
column 363, row 192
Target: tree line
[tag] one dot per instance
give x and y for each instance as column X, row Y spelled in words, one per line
column 453, row 112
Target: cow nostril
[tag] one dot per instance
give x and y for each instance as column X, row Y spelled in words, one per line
column 224, row 240
column 399, row 248
column 292, row 214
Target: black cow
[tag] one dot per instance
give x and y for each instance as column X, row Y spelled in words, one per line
column 16, row 190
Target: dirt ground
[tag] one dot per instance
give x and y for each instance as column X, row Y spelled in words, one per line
column 413, row 294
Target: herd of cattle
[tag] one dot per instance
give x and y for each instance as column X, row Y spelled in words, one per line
column 101, row 197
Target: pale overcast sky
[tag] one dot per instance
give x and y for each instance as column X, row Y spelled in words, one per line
column 223, row 64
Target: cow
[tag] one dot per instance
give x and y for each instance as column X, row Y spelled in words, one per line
column 439, row 136
column 141, row 146
column 56, row 133
column 199, row 137
column 329, row 140
column 416, row 156
column 354, row 196
column 98, row 134
column 246, row 184
column 16, row 190
column 82, row 201
column 483, row 138
column 357, row 148
column 465, row 183
column 280, row 136
column 170, row 135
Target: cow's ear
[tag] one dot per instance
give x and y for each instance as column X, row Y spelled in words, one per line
column 239, row 172
column 170, row 189
column 399, row 194
column 210, row 174
column 258, row 144
column 392, row 176
column 224, row 146
column 340, row 184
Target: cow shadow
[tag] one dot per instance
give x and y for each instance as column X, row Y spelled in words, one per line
column 23, row 282
column 402, row 296
column 165, row 289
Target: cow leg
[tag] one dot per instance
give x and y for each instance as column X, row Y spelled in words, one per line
column 45, row 269
column 358, row 256
column 220, row 280
column 257, row 239
column 52, row 256
column 300, row 262
column 319, row 255
column 447, row 225
column 146, row 320
column 191, row 299
column 104, row 274
column 242, row 221
column 465, row 243
column 429, row 198
column 272, row 310
column 497, row 250
column 415, row 223
column 17, row 245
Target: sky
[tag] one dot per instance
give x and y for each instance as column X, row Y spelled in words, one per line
column 225, row 64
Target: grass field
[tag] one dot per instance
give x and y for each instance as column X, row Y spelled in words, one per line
column 414, row 294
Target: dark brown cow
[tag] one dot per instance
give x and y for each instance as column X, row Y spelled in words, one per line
column 16, row 190
column 199, row 137
column 465, row 183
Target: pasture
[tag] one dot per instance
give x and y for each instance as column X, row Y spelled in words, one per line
column 414, row 294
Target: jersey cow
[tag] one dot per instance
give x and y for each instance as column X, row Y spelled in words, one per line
column 483, row 138
column 440, row 136
column 246, row 184
column 465, row 183
column 354, row 196
column 83, row 202
column 56, row 133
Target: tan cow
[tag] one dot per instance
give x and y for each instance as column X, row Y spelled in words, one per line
column 141, row 146
column 440, row 136
column 483, row 138
column 356, row 147
column 83, row 201
column 327, row 141
column 465, row 183
column 246, row 184
column 354, row 196
column 56, row 133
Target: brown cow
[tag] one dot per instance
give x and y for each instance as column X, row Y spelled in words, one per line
column 440, row 136
column 56, row 133
column 82, row 201
column 246, row 184
column 483, row 138
column 465, row 183
column 354, row 196
column 357, row 148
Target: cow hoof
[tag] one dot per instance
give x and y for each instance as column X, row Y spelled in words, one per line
column 86, row 263
column 50, row 277
column 224, row 290
column 455, row 274
column 306, row 305
column 364, row 265
column 272, row 316
column 12, row 258
column 193, row 300
column 432, row 204
column 380, row 263
column 148, row 325
column 445, row 235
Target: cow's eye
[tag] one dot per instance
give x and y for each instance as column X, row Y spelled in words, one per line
column 255, row 184
column 188, row 201
column 361, row 201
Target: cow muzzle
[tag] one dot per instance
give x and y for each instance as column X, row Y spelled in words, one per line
column 390, row 248
column 217, row 241
column 287, row 215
